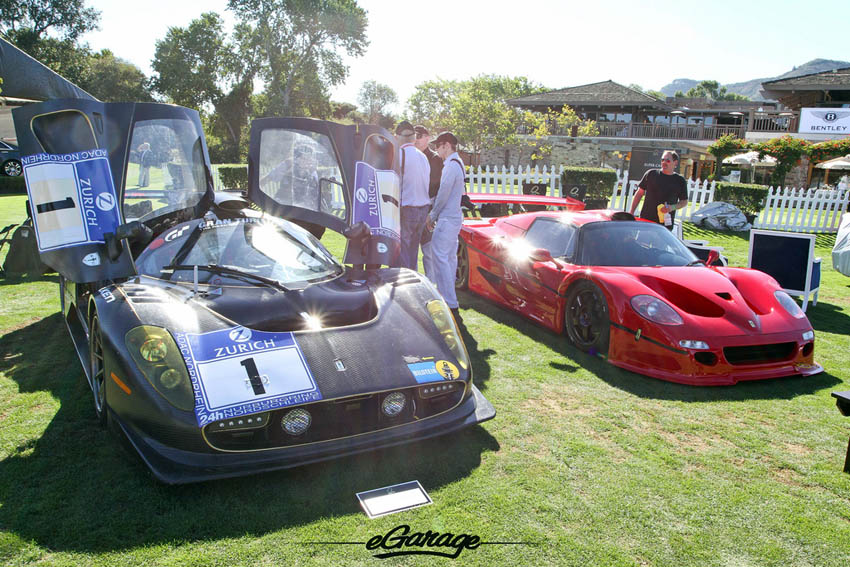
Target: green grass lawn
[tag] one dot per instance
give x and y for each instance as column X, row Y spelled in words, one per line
column 592, row 464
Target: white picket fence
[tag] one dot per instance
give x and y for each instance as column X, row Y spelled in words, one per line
column 509, row 180
column 786, row 208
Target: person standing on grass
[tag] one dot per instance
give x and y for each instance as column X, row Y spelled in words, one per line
column 415, row 173
column 423, row 139
column 446, row 217
column 666, row 191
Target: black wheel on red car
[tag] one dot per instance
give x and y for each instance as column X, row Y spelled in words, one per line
column 462, row 273
column 98, row 374
column 586, row 319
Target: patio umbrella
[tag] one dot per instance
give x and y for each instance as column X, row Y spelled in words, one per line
column 750, row 158
column 837, row 163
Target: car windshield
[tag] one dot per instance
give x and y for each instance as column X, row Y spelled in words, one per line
column 242, row 251
column 631, row 243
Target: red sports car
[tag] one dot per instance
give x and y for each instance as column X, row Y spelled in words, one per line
column 632, row 292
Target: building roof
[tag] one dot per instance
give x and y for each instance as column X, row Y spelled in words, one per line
column 605, row 93
column 836, row 79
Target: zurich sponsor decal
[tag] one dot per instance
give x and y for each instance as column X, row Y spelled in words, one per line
column 239, row 371
column 73, row 197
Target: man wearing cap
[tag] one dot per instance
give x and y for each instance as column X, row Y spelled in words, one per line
column 423, row 139
column 445, row 218
column 415, row 173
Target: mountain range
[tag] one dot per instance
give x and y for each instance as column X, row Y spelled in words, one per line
column 752, row 87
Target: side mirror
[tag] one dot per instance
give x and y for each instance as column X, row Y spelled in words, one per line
column 135, row 231
column 540, row 255
column 357, row 231
column 713, row 256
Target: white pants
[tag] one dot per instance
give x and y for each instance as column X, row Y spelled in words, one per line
column 444, row 254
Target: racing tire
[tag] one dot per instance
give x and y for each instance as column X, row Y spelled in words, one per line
column 462, row 272
column 586, row 318
column 98, row 372
column 12, row 168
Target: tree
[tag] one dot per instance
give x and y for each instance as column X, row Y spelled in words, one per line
column 199, row 67
column 476, row 110
column 713, row 90
column 374, row 98
column 111, row 79
column 296, row 43
column 190, row 62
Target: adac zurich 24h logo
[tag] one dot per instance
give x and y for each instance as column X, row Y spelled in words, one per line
column 240, row 335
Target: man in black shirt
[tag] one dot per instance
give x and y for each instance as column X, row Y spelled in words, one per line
column 662, row 187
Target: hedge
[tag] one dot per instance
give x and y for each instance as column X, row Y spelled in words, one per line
column 234, row 177
column 598, row 180
column 747, row 197
column 12, row 185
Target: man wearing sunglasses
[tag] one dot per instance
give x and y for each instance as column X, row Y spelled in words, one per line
column 666, row 191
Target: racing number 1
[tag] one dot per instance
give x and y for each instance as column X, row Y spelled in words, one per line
column 253, row 375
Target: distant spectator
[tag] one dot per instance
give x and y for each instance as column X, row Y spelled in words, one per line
column 145, row 162
column 423, row 139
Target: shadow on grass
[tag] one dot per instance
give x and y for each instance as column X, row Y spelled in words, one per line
column 74, row 489
column 645, row 386
column 828, row 318
column 478, row 358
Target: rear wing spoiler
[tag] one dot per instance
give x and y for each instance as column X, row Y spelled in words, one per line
column 502, row 204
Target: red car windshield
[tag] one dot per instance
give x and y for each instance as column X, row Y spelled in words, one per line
column 624, row 243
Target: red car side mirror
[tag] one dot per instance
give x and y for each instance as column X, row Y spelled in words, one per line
column 713, row 256
column 540, row 255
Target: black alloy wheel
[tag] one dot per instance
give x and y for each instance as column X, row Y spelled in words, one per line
column 462, row 272
column 98, row 373
column 12, row 168
column 586, row 319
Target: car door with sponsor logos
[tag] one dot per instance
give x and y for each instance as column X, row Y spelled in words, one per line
column 90, row 167
column 332, row 175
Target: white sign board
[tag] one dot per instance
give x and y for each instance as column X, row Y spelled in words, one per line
column 824, row 121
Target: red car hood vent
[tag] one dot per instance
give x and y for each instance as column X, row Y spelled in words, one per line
column 700, row 292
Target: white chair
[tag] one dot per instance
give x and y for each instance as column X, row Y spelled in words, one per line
column 789, row 258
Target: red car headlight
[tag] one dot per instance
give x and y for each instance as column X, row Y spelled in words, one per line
column 655, row 310
column 788, row 304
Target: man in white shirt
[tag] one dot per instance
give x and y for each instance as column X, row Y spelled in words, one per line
column 415, row 173
column 446, row 217
column 423, row 139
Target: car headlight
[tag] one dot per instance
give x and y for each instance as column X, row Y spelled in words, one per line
column 393, row 404
column 788, row 304
column 158, row 359
column 446, row 326
column 655, row 310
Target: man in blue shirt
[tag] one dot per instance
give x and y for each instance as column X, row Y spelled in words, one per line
column 445, row 219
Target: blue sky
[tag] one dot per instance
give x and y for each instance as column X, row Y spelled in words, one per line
column 555, row 43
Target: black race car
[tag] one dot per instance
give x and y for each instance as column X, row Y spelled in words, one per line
column 219, row 338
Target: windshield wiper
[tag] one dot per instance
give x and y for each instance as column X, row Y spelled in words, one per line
column 229, row 272
column 696, row 262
